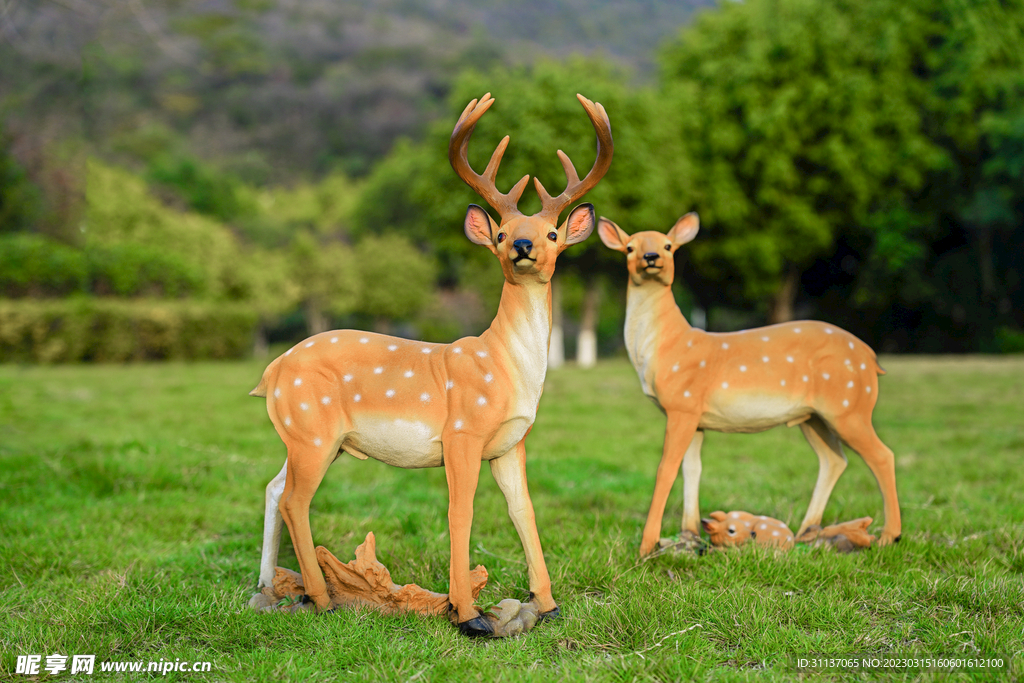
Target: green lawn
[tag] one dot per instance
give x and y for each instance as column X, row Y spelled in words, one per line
column 131, row 504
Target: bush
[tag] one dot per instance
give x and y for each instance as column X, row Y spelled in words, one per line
column 34, row 265
column 112, row 330
column 138, row 270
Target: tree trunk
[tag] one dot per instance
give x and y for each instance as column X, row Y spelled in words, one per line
column 556, row 347
column 260, row 346
column 586, row 342
column 781, row 309
column 316, row 319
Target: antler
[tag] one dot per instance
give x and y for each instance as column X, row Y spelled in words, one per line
column 576, row 188
column 483, row 185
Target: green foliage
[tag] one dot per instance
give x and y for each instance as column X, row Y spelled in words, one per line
column 34, row 265
column 326, row 274
column 117, row 330
column 203, row 189
column 20, row 199
column 396, row 280
column 792, row 137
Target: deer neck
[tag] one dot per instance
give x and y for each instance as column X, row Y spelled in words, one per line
column 652, row 316
column 521, row 332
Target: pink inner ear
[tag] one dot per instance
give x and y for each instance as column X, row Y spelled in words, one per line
column 478, row 227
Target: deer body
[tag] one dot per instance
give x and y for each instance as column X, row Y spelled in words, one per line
column 416, row 404
column 809, row 373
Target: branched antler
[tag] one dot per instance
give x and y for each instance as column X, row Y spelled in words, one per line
column 484, row 185
column 576, row 188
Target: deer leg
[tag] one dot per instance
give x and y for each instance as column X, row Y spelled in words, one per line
column 462, row 470
column 510, row 473
column 691, row 485
column 272, row 528
column 861, row 437
column 831, row 463
column 306, row 470
column 678, row 434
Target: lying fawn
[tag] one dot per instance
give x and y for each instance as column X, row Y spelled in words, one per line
column 808, row 373
column 414, row 404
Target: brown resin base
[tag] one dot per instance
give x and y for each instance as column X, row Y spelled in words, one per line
column 365, row 582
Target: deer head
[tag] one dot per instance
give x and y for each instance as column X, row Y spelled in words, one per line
column 649, row 254
column 527, row 246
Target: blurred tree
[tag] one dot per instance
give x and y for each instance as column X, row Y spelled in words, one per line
column 396, row 280
column 801, row 117
column 20, row 199
column 327, row 277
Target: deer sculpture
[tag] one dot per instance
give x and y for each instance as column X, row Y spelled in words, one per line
column 414, row 404
column 803, row 373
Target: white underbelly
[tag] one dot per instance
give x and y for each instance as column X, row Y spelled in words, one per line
column 749, row 412
column 402, row 443
column 506, row 438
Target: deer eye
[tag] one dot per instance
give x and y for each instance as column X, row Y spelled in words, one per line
column 732, row 530
column 501, row 237
column 629, row 250
column 668, row 247
column 553, row 236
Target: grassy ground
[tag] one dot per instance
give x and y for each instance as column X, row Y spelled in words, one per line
column 131, row 502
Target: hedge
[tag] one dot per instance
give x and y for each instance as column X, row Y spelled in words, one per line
column 118, row 330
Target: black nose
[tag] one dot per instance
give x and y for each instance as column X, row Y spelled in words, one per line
column 651, row 256
column 523, row 247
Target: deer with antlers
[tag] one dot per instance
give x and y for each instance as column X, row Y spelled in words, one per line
column 803, row 373
column 414, row 404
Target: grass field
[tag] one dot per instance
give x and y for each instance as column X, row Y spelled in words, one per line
column 131, row 503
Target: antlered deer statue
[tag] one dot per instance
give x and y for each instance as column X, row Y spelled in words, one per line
column 415, row 404
column 807, row 373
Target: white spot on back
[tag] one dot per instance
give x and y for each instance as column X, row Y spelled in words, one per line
column 763, row 526
column 845, row 403
column 277, row 392
column 689, row 343
column 309, row 344
column 288, row 352
column 703, row 363
column 408, row 373
column 287, row 421
column 851, row 345
column 867, row 389
column 363, row 340
column 481, row 401
column 847, row 361
column 675, row 368
column 828, row 330
column 825, row 375
column 457, row 349
column 488, row 377
column 789, row 359
column 377, row 371
column 449, row 384
column 334, row 340
column 725, row 385
column 424, row 396
column 764, row 338
column 357, row 398
column 863, row 367
column 743, row 368
column 783, row 382
column 304, row 406
column 298, row 381
column 392, row 347
column 316, row 441
column 734, row 514
column 764, row 359
column 326, row 400
column 725, row 345
column 686, row 393
column 805, row 378
column 849, row 385
column 458, row 424
column 775, row 533
column 347, row 378
column 427, row 349
column 482, row 354
column 797, row 330
column 389, row 393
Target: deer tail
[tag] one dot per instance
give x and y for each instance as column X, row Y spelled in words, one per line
column 261, row 388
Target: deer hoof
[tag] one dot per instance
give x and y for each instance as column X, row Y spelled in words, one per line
column 476, row 628
column 550, row 614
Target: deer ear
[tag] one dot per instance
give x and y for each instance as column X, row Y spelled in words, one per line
column 685, row 229
column 719, row 515
column 480, row 227
column 612, row 235
column 709, row 526
column 579, row 224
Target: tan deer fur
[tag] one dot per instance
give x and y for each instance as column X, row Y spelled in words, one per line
column 415, row 404
column 809, row 373
column 738, row 527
